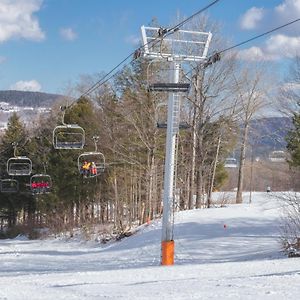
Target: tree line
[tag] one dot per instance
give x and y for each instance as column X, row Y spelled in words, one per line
column 124, row 115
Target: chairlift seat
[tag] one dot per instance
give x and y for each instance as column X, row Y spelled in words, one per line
column 19, row 166
column 9, row 186
column 169, row 87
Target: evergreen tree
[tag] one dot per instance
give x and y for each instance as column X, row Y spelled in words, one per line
column 293, row 142
column 13, row 203
column 71, row 192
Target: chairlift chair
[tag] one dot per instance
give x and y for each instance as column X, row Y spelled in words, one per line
column 277, row 156
column 91, row 164
column 40, row 184
column 91, row 157
column 9, row 186
column 68, row 136
column 19, row 166
column 161, row 118
column 230, row 162
column 158, row 75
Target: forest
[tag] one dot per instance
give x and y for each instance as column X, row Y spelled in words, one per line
column 125, row 121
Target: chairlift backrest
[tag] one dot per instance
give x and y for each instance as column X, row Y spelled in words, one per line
column 19, row 166
column 68, row 136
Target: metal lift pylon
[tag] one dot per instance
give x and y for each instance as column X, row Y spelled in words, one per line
column 152, row 40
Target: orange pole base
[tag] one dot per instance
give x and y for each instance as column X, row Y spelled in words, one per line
column 167, row 253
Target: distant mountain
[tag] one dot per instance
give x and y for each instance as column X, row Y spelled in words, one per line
column 265, row 135
column 268, row 134
column 28, row 105
column 28, row 99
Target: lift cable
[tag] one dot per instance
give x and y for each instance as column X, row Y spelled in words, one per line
column 260, row 35
column 217, row 55
column 135, row 53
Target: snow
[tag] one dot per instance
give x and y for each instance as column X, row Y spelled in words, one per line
column 231, row 252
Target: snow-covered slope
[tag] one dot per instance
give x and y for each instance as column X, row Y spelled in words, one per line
column 241, row 260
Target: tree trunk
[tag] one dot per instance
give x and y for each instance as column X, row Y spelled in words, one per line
column 239, row 194
column 192, row 172
column 212, row 181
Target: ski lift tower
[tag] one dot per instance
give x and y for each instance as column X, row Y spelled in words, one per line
column 175, row 46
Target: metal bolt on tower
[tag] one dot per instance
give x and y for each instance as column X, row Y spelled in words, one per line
column 173, row 47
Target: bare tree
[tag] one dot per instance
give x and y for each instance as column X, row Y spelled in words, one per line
column 290, row 226
column 288, row 99
column 251, row 91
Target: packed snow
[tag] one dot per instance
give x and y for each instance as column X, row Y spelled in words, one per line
column 230, row 252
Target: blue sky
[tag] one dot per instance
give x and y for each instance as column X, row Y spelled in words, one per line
column 47, row 44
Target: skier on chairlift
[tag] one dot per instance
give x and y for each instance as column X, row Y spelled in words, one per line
column 93, row 169
column 86, row 169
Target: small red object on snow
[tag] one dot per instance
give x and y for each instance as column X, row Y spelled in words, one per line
column 225, row 226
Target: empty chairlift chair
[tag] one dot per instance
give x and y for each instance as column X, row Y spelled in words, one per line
column 230, row 162
column 9, row 186
column 154, row 74
column 161, row 118
column 68, row 136
column 18, row 165
column 277, row 156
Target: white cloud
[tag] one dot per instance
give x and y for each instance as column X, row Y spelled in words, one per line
column 287, row 10
column 286, row 43
column 276, row 47
column 256, row 54
column 266, row 19
column 251, row 18
column 31, row 85
column 2, row 59
column 17, row 20
column 68, row 34
column 282, row 45
column 133, row 40
column 291, row 86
